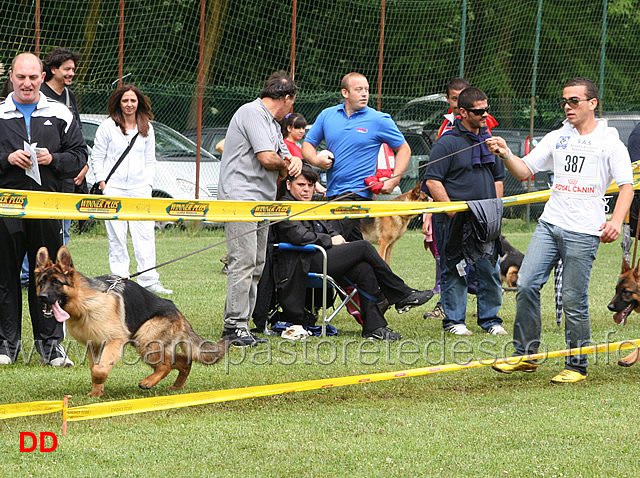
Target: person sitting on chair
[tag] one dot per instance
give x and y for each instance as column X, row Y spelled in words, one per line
column 354, row 263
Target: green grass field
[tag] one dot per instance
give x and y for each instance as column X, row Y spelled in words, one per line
column 466, row 423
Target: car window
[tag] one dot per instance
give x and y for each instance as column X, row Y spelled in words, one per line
column 515, row 145
column 418, row 144
column 624, row 127
column 171, row 145
column 89, row 132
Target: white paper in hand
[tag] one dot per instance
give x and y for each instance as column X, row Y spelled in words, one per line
column 34, row 171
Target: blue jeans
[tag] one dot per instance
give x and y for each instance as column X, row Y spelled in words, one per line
column 247, row 252
column 24, row 271
column 453, row 287
column 577, row 251
column 66, row 231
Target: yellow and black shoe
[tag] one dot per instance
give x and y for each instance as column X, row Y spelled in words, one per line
column 568, row 376
column 522, row 366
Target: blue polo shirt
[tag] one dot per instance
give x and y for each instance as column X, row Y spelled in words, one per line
column 355, row 142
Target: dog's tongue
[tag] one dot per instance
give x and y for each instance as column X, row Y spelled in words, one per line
column 617, row 317
column 59, row 313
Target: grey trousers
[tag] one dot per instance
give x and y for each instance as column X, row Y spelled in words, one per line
column 246, row 262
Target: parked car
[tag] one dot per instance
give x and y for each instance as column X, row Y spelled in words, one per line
column 176, row 168
column 520, row 144
column 420, row 144
column 210, row 137
column 623, row 122
column 422, row 115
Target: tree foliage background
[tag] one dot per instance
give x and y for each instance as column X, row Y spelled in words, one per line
column 246, row 40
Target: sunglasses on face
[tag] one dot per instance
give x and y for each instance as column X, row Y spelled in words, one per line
column 478, row 111
column 573, row 102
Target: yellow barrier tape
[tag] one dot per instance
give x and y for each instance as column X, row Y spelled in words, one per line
column 12, row 410
column 141, row 405
column 40, row 205
column 47, row 205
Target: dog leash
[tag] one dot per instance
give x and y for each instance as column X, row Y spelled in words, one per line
column 269, row 223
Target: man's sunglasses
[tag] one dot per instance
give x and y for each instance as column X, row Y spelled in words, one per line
column 478, row 111
column 573, row 102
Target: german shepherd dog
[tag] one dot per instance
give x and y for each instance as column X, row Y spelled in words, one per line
column 387, row 230
column 510, row 263
column 107, row 312
column 627, row 298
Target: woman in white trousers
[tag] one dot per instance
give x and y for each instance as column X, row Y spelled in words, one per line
column 128, row 123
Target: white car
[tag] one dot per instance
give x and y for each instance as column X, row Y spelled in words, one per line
column 176, row 168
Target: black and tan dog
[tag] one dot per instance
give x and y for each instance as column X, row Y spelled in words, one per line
column 510, row 263
column 627, row 299
column 387, row 230
column 106, row 313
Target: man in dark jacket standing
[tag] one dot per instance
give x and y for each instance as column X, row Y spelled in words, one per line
column 60, row 68
column 461, row 169
column 40, row 145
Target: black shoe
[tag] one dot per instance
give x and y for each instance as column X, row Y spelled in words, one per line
column 241, row 337
column 382, row 333
column 416, row 298
column 260, row 340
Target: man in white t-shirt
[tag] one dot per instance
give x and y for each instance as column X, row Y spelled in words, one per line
column 585, row 156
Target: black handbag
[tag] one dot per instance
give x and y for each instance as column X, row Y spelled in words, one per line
column 95, row 189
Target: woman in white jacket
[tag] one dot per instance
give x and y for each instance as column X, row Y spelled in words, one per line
column 129, row 113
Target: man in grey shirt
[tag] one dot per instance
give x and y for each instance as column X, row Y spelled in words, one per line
column 254, row 156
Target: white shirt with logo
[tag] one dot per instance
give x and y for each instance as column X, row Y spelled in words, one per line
column 583, row 168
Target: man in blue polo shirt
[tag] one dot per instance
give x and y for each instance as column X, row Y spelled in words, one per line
column 461, row 169
column 353, row 133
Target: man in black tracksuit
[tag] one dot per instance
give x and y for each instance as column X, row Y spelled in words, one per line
column 27, row 116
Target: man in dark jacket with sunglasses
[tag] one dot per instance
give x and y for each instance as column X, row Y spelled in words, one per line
column 462, row 169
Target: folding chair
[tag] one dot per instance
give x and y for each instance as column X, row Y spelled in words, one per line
column 324, row 281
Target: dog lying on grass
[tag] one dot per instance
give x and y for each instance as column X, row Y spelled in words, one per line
column 510, row 263
column 107, row 312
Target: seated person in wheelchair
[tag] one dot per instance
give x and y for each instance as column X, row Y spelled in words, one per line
column 349, row 263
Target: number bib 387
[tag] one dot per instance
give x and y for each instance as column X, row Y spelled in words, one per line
column 576, row 162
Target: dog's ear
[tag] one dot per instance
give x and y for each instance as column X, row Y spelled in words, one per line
column 625, row 266
column 42, row 260
column 417, row 194
column 64, row 261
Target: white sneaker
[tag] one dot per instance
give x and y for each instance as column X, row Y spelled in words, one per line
column 5, row 360
column 158, row 288
column 496, row 330
column 458, row 329
column 61, row 362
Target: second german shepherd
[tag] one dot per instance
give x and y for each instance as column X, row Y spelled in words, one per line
column 627, row 299
column 107, row 312
column 510, row 263
column 387, row 230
